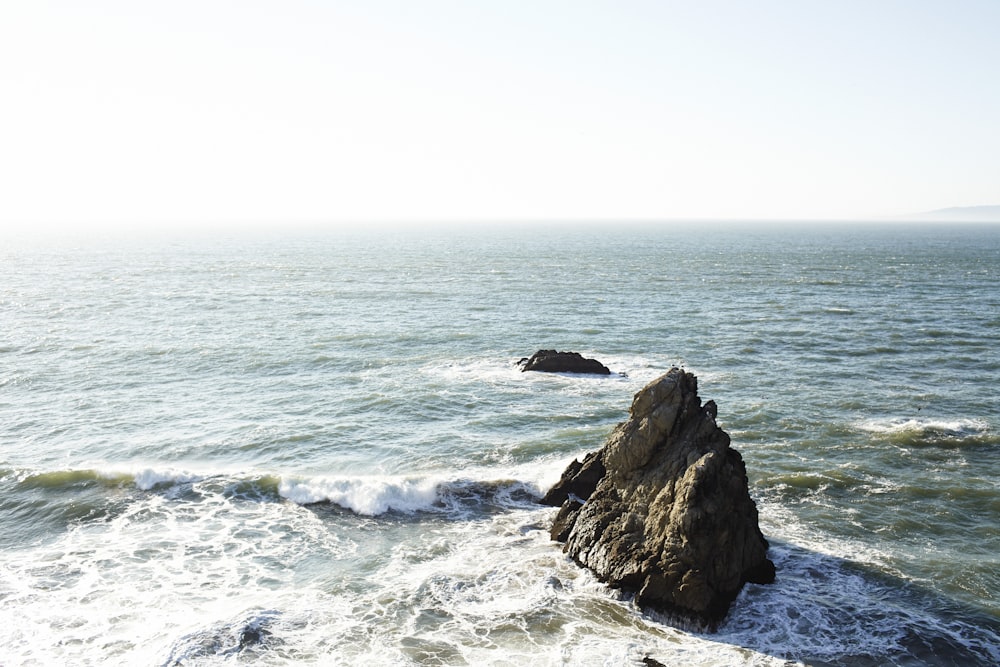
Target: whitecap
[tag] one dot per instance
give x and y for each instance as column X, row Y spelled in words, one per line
column 925, row 427
column 373, row 495
column 369, row 496
column 149, row 478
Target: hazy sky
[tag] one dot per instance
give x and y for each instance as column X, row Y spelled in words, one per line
column 210, row 111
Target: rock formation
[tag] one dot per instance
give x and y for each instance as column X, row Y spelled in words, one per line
column 550, row 361
column 663, row 509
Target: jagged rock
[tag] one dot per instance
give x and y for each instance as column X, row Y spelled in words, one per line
column 663, row 509
column 579, row 480
column 551, row 361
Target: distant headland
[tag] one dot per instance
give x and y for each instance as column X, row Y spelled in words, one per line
column 958, row 214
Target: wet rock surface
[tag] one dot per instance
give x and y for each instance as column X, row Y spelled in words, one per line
column 551, row 361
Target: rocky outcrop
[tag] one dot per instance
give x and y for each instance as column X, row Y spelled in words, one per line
column 550, row 361
column 663, row 509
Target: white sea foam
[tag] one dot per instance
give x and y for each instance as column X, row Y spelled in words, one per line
column 148, row 478
column 925, row 427
column 369, row 496
column 144, row 478
column 488, row 370
column 123, row 589
column 489, row 588
column 634, row 369
column 375, row 495
column 828, row 609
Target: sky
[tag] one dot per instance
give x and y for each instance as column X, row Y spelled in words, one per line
column 213, row 112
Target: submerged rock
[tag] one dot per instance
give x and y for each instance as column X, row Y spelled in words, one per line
column 250, row 635
column 663, row 509
column 551, row 361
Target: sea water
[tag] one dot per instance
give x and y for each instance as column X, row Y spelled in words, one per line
column 317, row 448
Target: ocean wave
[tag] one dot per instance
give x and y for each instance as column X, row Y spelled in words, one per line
column 924, row 431
column 366, row 495
column 58, row 479
column 144, row 479
column 149, row 478
column 374, row 496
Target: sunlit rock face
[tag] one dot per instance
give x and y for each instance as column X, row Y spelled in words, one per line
column 663, row 509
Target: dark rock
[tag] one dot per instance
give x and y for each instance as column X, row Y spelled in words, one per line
column 579, row 480
column 669, row 517
column 565, row 520
column 252, row 634
column 551, row 361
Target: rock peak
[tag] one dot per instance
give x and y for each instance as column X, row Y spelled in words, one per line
column 663, row 510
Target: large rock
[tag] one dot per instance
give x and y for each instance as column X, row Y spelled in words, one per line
column 550, row 361
column 663, row 509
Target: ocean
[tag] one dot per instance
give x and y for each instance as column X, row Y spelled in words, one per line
column 315, row 447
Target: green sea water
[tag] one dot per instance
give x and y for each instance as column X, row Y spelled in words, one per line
column 316, row 448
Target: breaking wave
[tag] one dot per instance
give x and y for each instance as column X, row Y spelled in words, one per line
column 923, row 431
column 365, row 495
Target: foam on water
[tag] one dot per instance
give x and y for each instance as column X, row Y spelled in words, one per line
column 926, row 429
column 184, row 558
column 632, row 370
column 375, row 495
column 149, row 478
column 368, row 496
column 829, row 610
column 229, row 576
